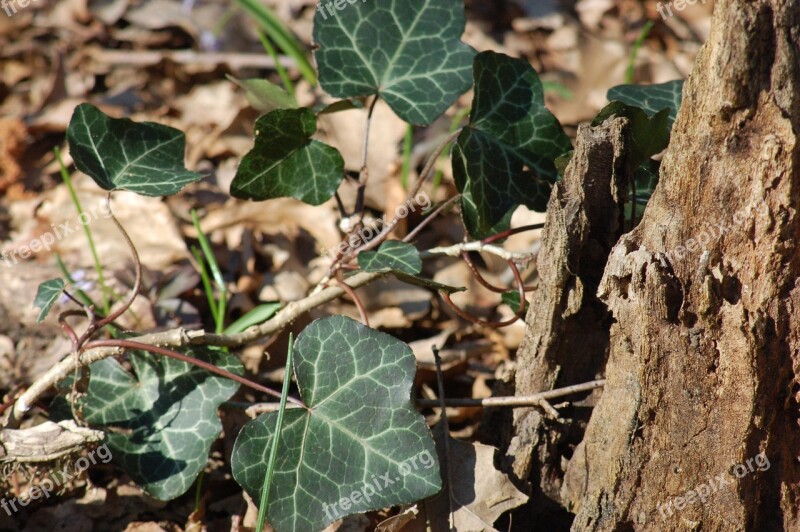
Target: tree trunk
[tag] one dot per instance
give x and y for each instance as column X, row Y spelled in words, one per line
column 698, row 425
column 566, row 341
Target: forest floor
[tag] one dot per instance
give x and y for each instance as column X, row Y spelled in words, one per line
column 168, row 61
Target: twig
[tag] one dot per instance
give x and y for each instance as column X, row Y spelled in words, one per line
column 511, row 401
column 236, row 61
column 446, row 435
column 413, row 234
column 521, row 400
column 457, row 249
column 432, row 160
column 181, row 338
column 363, row 176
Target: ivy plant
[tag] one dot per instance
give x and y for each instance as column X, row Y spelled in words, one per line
column 353, row 421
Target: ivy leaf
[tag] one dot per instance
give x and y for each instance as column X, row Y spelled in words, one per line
column 160, row 423
column 649, row 136
column 46, row 295
column 392, row 255
column 646, row 177
column 120, row 154
column 359, row 445
column 651, row 98
column 512, row 300
column 407, row 51
column 504, row 156
column 265, row 96
column 285, row 162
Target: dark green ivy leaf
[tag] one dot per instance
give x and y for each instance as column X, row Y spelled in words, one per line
column 504, row 157
column 512, row 300
column 285, row 162
column 47, row 294
column 358, row 446
column 649, row 136
column 120, row 154
column 407, row 51
column 160, row 422
column 392, row 255
column 651, row 98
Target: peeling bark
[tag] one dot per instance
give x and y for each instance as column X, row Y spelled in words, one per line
column 704, row 365
column 567, row 336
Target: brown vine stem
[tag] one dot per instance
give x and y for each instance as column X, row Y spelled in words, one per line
column 509, row 232
column 128, row 344
column 520, row 314
column 137, row 284
column 364, row 173
column 427, row 171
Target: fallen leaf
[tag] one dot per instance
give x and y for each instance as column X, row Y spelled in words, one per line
column 480, row 493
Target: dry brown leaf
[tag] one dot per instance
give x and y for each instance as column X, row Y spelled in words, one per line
column 148, row 221
column 480, row 493
column 345, row 130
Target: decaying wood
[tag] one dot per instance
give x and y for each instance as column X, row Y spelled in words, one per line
column 45, row 442
column 703, row 373
column 567, row 335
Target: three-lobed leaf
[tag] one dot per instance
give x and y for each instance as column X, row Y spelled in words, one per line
column 161, row 421
column 46, row 295
column 407, row 51
column 286, row 162
column 649, row 135
column 504, row 156
column 651, row 98
column 393, row 255
column 359, row 444
column 120, row 154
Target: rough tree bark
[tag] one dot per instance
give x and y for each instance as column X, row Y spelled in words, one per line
column 704, row 366
column 566, row 341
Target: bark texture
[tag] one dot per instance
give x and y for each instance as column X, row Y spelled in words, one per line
column 702, row 378
column 566, row 339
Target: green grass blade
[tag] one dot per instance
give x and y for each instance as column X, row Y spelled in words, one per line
column 287, row 82
column 205, row 245
column 97, row 266
column 74, row 290
column 260, row 314
column 408, row 143
column 280, row 36
column 207, row 288
column 273, row 454
column 635, row 51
